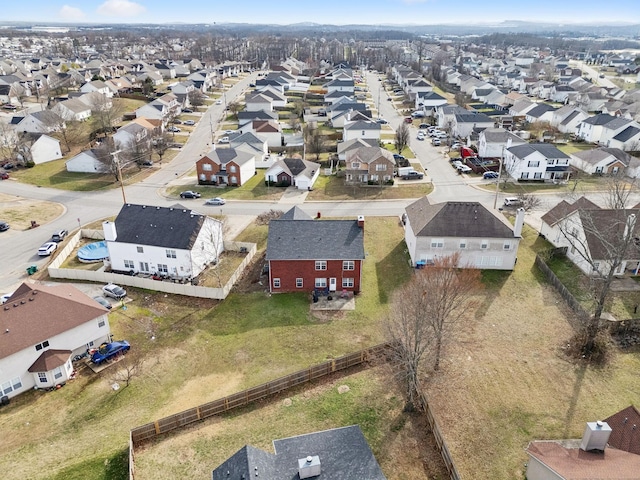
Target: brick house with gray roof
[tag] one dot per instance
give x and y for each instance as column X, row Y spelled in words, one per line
column 307, row 254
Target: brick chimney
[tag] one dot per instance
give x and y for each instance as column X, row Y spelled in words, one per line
column 361, row 221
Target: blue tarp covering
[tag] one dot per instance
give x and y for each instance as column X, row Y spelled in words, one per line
column 94, row 252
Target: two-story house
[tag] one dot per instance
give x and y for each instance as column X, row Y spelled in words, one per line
column 366, row 164
column 493, row 141
column 361, row 129
column 226, row 166
column 536, row 161
column 43, row 328
column 174, row 241
column 306, row 254
column 483, row 238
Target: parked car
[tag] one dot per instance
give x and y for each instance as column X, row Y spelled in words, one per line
column 456, row 163
column 4, row 176
column 177, row 121
column 189, row 194
column 489, row 175
column 187, row 110
column 408, row 120
column 5, row 298
column 189, row 122
column 4, row 226
column 8, row 106
column 420, row 137
column 436, row 142
column 252, row 85
column 223, row 140
column 59, row 236
column 218, row 102
column 512, row 202
column 173, row 129
column 103, row 301
column 397, row 156
column 455, row 146
column 8, row 166
column 107, row 351
column 47, row 249
column 413, row 175
column 215, row 201
column 464, row 169
column 423, row 125
column 381, row 121
column 418, row 114
column 114, row 291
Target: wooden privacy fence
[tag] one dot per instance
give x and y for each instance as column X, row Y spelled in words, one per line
column 241, row 399
column 435, row 429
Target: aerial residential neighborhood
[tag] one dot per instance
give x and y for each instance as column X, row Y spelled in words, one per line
column 234, row 250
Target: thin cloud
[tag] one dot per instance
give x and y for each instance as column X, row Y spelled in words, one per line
column 413, row 2
column 120, row 8
column 71, row 13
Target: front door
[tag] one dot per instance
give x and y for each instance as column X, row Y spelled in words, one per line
column 144, row 267
column 332, row 284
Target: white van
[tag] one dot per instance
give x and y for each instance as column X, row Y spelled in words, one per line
column 512, row 202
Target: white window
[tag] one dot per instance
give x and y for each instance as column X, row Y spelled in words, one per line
column 276, row 283
column 437, row 243
column 596, row 266
column 42, row 345
column 42, row 376
column 355, row 165
column 207, row 167
column 381, row 167
column 551, row 162
column 348, row 265
column 14, row 384
column 57, row 373
column 534, row 163
column 232, row 168
column 485, row 244
column 128, row 264
column 101, row 323
column 299, row 283
column 321, row 283
column 140, row 249
column 144, row 266
column 463, row 244
column 506, row 245
column 321, row 264
column 171, row 253
column 233, row 180
column 347, row 283
column 524, row 175
column 162, row 268
column 537, row 175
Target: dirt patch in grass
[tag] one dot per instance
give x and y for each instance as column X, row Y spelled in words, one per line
column 19, row 211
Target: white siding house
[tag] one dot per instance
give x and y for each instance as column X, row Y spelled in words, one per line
column 43, row 329
column 86, row 162
column 536, row 161
column 483, row 239
column 175, row 242
column 45, row 149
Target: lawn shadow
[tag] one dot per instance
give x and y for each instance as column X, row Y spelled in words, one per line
column 392, row 271
column 573, row 401
column 493, row 281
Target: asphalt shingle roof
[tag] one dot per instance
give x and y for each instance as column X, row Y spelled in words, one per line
column 315, row 239
column 546, row 149
column 455, row 219
column 174, row 227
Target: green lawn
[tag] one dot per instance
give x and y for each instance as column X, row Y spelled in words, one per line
column 334, row 188
column 195, row 350
column 54, row 174
column 253, row 189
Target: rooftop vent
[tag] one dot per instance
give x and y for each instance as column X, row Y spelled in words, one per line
column 309, row 467
column 595, row 437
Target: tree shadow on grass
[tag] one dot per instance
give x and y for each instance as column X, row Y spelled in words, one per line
column 392, row 271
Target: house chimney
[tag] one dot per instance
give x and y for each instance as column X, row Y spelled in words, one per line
column 361, row 221
column 110, row 233
column 595, row 437
column 517, row 228
column 309, row 467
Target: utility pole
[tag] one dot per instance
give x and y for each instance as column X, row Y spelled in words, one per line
column 116, row 160
column 495, row 200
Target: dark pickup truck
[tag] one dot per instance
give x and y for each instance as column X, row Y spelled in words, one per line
column 412, row 176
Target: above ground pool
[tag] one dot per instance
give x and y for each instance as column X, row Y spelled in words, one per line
column 94, row 252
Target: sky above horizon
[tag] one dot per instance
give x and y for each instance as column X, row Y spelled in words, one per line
column 375, row 12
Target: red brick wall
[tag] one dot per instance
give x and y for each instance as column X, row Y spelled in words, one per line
column 215, row 168
column 288, row 270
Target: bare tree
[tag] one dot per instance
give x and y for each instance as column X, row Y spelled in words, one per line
column 129, row 367
column 603, row 240
column 314, row 141
column 105, row 155
column 234, row 107
column 105, row 113
column 8, row 141
column 138, row 151
column 529, row 201
column 401, row 139
column 196, row 98
column 160, row 145
column 423, row 317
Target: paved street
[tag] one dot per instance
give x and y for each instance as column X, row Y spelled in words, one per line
column 19, row 247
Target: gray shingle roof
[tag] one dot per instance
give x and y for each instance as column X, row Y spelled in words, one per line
column 627, row 134
column 158, row 226
column 343, row 453
column 546, row 149
column 315, row 239
column 455, row 219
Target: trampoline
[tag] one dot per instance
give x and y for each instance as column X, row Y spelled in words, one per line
column 94, row 252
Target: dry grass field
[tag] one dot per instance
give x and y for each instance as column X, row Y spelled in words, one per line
column 19, row 211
